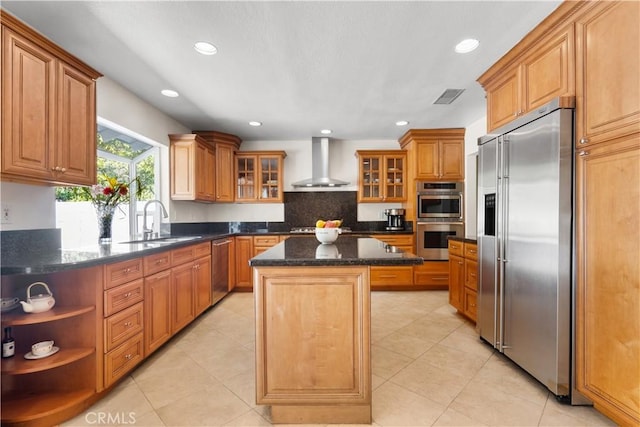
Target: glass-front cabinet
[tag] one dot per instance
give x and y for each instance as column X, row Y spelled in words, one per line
column 382, row 176
column 259, row 176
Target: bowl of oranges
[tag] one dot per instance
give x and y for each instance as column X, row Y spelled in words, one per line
column 328, row 231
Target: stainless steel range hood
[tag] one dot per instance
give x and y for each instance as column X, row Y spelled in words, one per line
column 319, row 166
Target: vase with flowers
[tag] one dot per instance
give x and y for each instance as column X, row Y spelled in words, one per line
column 106, row 198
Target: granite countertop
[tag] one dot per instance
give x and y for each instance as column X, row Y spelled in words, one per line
column 39, row 256
column 347, row 250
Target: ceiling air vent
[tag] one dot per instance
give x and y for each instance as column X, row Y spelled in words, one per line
column 448, row 96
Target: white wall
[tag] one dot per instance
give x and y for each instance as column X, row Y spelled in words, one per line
column 30, row 206
column 472, row 133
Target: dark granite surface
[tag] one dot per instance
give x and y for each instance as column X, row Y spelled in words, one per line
column 40, row 251
column 347, row 250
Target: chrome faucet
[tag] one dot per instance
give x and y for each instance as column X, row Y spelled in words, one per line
column 148, row 232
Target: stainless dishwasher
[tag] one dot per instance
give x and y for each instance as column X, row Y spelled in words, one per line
column 219, row 269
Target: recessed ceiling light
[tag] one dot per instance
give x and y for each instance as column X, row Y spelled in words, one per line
column 325, row 131
column 170, row 93
column 205, row 48
column 252, row 123
column 402, row 123
column 467, row 45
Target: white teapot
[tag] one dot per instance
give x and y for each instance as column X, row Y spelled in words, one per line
column 40, row 302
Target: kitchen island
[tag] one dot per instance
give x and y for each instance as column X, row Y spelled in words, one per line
column 313, row 328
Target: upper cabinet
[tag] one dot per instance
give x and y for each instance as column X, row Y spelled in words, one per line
column 258, row 176
column 435, row 154
column 226, row 146
column 607, row 72
column 48, row 110
column 528, row 77
column 382, row 176
column 192, row 168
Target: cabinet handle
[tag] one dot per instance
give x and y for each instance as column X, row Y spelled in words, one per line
column 127, row 295
column 584, row 140
column 63, row 170
column 126, row 270
column 128, row 356
column 460, row 262
column 160, row 261
column 387, row 276
column 472, row 251
column 583, row 153
column 222, row 243
column 440, row 278
column 128, row 324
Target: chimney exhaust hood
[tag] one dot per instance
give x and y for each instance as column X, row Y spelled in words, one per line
column 319, row 166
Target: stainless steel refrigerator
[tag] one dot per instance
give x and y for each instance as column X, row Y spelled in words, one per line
column 525, row 243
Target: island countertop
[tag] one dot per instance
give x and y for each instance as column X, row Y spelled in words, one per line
column 347, row 250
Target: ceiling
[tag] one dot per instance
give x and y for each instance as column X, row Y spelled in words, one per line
column 354, row 67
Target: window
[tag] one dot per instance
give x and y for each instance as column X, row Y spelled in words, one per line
column 124, row 155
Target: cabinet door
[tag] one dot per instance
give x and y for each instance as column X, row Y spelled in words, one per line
column 202, row 278
column 270, row 178
column 224, row 173
column 157, row 305
column 76, row 127
column 608, row 288
column 28, row 108
column 607, row 70
column 244, row 252
column 427, row 159
column 548, row 71
column 456, row 282
column 246, row 178
column 182, row 173
column 371, row 177
column 395, row 189
column 451, row 160
column 205, row 172
column 503, row 99
column 182, row 296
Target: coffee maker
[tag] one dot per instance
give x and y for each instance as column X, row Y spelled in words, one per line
column 395, row 219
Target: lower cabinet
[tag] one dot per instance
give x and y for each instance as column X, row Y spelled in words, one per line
column 182, row 296
column 157, row 303
column 246, row 247
column 433, row 275
column 391, row 277
column 463, row 277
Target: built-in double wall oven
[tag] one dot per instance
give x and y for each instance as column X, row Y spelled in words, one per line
column 440, row 214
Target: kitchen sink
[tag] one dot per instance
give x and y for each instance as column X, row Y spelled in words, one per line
column 165, row 239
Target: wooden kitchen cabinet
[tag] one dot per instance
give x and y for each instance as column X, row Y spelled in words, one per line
column 382, row 176
column 542, row 72
column 51, row 390
column 202, row 278
column 192, row 168
column 608, row 277
column 431, row 275
column 243, row 253
column 607, row 69
column 157, row 306
column 259, row 176
column 463, row 277
column 226, row 146
column 48, row 110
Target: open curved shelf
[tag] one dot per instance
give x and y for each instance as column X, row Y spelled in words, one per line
column 56, row 313
column 18, row 365
column 23, row 408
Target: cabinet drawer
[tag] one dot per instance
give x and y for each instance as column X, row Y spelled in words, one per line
column 432, row 273
column 470, row 307
column 123, row 296
column 265, row 241
column 201, row 249
column 390, row 276
column 404, row 240
column 122, row 326
column 157, row 262
column 471, row 274
column 471, row 251
column 122, row 272
column 456, row 248
column 122, row 359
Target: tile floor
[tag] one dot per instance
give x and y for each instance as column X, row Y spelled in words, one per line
column 429, row 368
